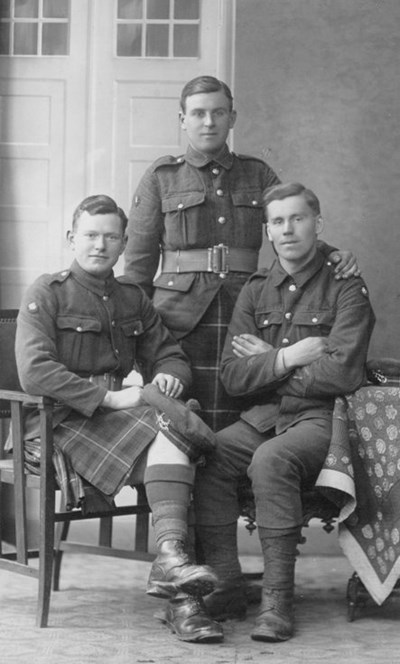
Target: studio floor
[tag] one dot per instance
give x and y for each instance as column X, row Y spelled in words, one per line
column 102, row 615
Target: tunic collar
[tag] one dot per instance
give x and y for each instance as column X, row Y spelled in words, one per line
column 95, row 284
column 224, row 158
column 279, row 275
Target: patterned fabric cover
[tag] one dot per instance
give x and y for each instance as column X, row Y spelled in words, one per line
column 362, row 475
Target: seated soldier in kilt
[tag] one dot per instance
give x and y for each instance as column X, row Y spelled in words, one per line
column 80, row 332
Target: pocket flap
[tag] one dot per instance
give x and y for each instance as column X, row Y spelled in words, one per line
column 182, row 201
column 175, row 282
column 132, row 328
column 268, row 318
column 251, row 199
column 314, row 318
column 78, row 323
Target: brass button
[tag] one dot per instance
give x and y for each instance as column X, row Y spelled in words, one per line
column 113, row 323
column 285, row 341
column 79, row 329
column 220, row 192
column 180, row 206
column 171, row 282
column 254, row 202
column 215, row 171
column 222, row 275
column 221, row 220
column 265, row 322
column 288, row 316
column 105, row 298
column 315, row 319
column 292, row 287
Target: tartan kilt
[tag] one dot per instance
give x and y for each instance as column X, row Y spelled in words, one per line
column 104, row 448
column 204, row 346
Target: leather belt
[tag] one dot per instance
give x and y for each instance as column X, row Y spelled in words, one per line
column 107, row 380
column 219, row 259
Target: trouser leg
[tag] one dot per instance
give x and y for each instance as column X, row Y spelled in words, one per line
column 280, row 468
column 217, row 512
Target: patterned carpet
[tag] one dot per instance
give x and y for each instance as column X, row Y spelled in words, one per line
column 102, row 616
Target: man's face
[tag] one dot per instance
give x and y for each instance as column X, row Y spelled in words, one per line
column 207, row 121
column 97, row 242
column 293, row 227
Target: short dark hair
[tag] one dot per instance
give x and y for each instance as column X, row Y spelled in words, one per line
column 204, row 84
column 281, row 191
column 99, row 204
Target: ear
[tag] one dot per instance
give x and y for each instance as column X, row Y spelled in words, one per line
column 232, row 120
column 182, row 118
column 71, row 239
column 319, row 225
column 123, row 246
column 267, row 232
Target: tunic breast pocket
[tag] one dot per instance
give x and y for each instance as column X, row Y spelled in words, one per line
column 78, row 342
column 185, row 220
column 249, row 218
column 269, row 324
column 130, row 332
column 315, row 323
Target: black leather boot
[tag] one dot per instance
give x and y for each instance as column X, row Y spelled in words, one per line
column 172, row 572
column 275, row 620
column 186, row 617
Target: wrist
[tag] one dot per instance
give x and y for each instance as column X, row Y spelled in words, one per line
column 280, row 367
column 108, row 399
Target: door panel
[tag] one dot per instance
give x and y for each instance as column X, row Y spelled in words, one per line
column 90, row 121
column 141, row 123
column 42, row 156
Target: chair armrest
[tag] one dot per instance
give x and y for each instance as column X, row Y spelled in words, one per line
column 23, row 397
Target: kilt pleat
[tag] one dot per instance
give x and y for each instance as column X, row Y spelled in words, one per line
column 204, row 346
column 104, row 448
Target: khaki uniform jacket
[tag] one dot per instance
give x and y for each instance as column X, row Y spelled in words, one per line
column 193, row 202
column 72, row 325
column 282, row 309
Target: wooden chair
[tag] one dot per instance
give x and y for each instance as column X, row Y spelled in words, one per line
column 13, row 472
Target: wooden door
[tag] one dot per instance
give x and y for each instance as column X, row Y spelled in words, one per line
column 89, row 95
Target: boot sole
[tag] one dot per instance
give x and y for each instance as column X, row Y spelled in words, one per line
column 270, row 637
column 196, row 587
column 200, row 637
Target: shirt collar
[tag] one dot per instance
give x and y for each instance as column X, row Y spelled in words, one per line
column 279, row 275
column 224, row 158
column 97, row 285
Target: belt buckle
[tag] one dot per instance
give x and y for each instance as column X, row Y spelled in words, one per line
column 218, row 259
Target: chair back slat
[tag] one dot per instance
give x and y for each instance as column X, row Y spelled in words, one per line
column 8, row 368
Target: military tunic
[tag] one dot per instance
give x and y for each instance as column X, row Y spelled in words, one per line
column 77, row 337
column 282, row 309
column 283, row 436
column 196, row 202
